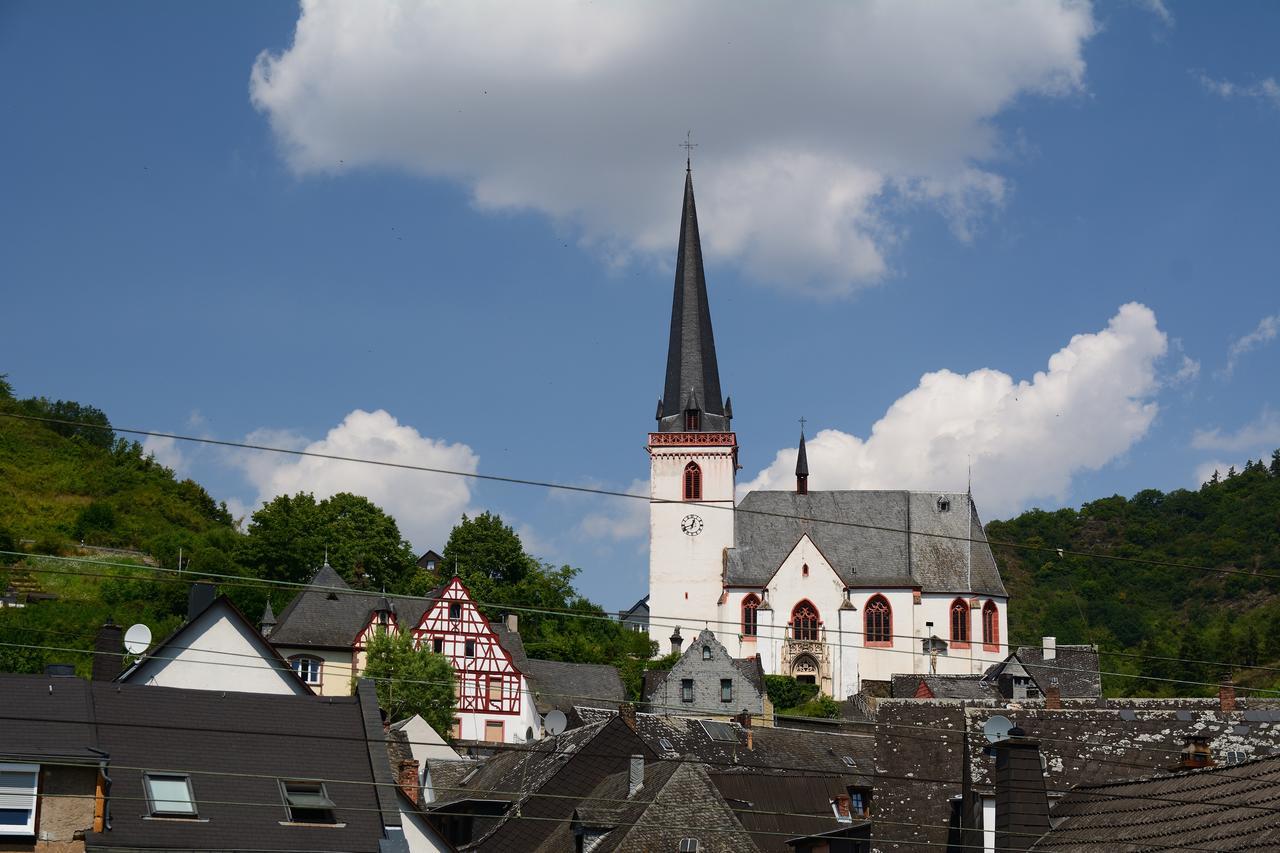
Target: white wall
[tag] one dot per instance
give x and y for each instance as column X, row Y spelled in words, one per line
column 515, row 726
column 419, row 834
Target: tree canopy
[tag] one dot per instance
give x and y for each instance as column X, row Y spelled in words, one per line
column 411, row 681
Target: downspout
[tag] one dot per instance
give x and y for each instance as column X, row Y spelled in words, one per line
column 103, row 764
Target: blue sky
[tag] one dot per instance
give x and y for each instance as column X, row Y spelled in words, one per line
column 470, row 226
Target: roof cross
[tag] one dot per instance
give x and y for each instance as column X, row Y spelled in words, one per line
column 802, row 423
column 688, row 145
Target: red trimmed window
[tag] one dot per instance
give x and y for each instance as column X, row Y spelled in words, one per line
column 804, row 622
column 692, row 482
column 877, row 622
column 691, row 420
column 804, row 570
column 960, row 623
column 749, row 622
column 990, row 627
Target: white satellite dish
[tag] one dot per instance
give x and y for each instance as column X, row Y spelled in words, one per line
column 137, row 639
column 997, row 729
column 555, row 722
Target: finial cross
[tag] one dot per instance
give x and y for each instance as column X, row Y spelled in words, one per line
column 802, row 423
column 688, row 145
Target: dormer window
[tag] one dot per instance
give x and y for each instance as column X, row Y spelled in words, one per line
column 944, row 504
column 169, row 795
column 307, row 668
column 307, row 802
column 691, row 420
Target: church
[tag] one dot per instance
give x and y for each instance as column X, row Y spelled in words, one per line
column 831, row 587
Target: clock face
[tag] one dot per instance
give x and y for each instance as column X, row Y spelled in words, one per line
column 691, row 524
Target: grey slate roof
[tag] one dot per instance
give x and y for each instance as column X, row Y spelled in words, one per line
column 561, row 685
column 46, row 716
column 935, row 556
column 691, row 352
column 944, row 686
column 1221, row 808
column 1075, row 667
column 321, row 618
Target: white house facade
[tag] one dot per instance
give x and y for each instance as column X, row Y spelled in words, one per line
column 833, row 587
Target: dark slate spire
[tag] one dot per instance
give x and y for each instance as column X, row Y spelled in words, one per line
column 268, row 621
column 802, row 469
column 691, row 356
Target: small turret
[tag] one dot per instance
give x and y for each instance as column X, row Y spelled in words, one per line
column 267, row 623
column 802, row 468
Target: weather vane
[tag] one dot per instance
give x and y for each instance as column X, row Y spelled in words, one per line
column 688, row 145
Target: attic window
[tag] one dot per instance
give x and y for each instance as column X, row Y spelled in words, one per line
column 18, row 799
column 455, row 611
column 944, row 504
column 307, row 668
column 686, row 690
column 169, row 795
column 706, row 653
column 307, row 802
column 804, row 570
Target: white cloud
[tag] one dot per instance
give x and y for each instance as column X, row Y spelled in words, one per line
column 166, row 451
column 1266, row 90
column 1261, row 435
column 425, row 505
column 1204, row 471
column 1266, row 331
column 1026, row 439
column 1159, row 9
column 620, row 518
column 1188, row 371
column 812, row 128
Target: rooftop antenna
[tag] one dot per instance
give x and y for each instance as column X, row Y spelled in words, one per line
column 688, row 145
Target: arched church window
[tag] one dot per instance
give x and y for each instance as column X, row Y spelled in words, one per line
column 877, row 622
column 692, row 482
column 804, row 622
column 991, row 627
column 960, row 622
column 750, row 605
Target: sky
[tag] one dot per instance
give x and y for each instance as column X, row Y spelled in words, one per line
column 1032, row 240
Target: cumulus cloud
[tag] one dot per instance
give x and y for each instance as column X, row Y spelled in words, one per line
column 1261, row 435
column 426, row 506
column 1204, row 471
column 1264, row 333
column 166, row 451
column 619, row 518
column 1026, row 439
column 813, row 129
column 1266, row 90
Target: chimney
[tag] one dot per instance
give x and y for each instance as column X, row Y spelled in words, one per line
column 199, row 598
column 513, row 623
column 1227, row 695
column 744, row 719
column 1022, row 806
column 108, row 652
column 635, row 776
column 408, row 778
column 1050, row 648
column 1053, row 696
column 60, row 670
column 676, row 641
column 1195, row 754
column 627, row 712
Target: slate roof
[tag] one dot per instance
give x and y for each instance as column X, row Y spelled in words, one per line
column 318, row 617
column 906, row 686
column 691, row 351
column 1220, row 808
column 1075, row 667
column 561, row 685
column 687, row 806
column 934, row 557
column 773, row 811
column 45, row 716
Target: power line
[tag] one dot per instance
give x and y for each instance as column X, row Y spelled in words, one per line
column 519, row 481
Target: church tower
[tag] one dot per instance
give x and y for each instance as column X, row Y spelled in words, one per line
column 693, row 458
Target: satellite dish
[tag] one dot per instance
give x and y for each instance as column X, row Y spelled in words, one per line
column 555, row 722
column 137, row 639
column 997, row 729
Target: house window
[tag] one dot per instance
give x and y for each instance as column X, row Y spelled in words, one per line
column 455, row 611
column 469, row 648
column 877, row 622
column 991, row 627
column 308, row 668
column 493, row 731
column 706, row 653
column 307, row 802
column 858, row 802
column 960, row 623
column 691, row 420
column 495, row 689
column 686, row 690
column 749, row 616
column 437, row 645
column 692, row 482
column 18, row 798
column 804, row 622
column 169, row 795
column 456, row 732
column 726, row 690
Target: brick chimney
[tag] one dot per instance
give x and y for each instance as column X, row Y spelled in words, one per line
column 513, row 623
column 1227, row 695
column 1195, row 754
column 1022, row 806
column 743, row 718
column 108, row 652
column 1053, row 696
column 627, row 713
column 407, row 777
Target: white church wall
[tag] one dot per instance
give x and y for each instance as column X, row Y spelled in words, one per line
column 880, row 662
column 685, row 567
column 958, row 660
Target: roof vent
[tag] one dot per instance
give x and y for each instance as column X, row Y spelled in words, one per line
column 944, row 504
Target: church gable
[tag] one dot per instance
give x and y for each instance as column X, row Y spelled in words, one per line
column 805, row 564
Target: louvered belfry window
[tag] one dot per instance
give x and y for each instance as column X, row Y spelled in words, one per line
column 692, row 482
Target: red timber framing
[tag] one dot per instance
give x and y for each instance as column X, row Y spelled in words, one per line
column 488, row 681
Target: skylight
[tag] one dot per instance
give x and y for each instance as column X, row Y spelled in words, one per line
column 169, row 795
column 718, row 731
column 847, row 759
column 307, row 802
column 665, row 743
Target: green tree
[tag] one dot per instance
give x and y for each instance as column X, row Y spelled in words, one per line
column 411, row 681
column 289, row 536
column 486, row 553
column 96, row 522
